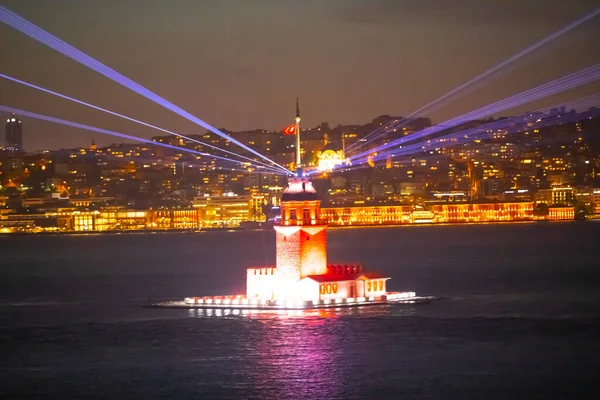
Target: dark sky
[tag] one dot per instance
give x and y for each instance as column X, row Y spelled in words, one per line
column 240, row 64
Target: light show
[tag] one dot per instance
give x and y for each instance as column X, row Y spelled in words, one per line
column 301, row 278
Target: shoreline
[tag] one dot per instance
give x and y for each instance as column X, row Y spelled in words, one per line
column 238, row 229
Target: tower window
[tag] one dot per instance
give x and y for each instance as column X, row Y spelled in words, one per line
column 306, row 214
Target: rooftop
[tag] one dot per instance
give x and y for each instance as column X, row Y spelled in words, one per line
column 299, row 189
column 346, row 277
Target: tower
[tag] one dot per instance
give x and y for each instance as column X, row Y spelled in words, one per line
column 301, row 274
column 13, row 134
column 301, row 237
column 298, row 153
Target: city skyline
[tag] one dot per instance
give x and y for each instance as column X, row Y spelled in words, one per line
column 259, row 91
column 96, row 139
column 365, row 199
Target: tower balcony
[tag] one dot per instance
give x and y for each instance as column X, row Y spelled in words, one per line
column 302, row 222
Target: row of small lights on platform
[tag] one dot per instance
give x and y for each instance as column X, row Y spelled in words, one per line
column 245, row 302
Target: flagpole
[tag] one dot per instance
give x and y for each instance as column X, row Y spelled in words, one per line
column 298, row 155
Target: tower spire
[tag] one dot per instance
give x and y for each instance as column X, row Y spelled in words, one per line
column 298, row 154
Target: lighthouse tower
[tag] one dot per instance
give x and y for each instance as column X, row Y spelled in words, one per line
column 301, row 238
column 301, row 272
column 301, row 278
column 301, row 235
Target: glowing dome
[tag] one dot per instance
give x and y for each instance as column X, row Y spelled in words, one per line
column 329, row 159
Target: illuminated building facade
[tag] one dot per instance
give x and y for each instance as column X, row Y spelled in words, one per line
column 173, row 219
column 110, row 219
column 301, row 272
column 435, row 213
column 367, row 215
column 482, row 212
column 561, row 213
column 123, row 219
column 228, row 210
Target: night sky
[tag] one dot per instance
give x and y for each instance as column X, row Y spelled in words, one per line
column 240, row 64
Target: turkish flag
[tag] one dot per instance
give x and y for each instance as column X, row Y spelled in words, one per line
column 290, row 130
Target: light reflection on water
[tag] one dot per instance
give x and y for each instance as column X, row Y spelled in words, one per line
column 301, row 353
column 520, row 316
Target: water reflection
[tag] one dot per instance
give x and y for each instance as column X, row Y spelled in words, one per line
column 298, row 353
column 298, row 356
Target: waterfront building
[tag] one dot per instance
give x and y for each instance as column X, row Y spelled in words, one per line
column 115, row 218
column 563, row 195
column 596, row 200
column 437, row 213
column 173, row 219
column 561, row 213
column 482, row 212
column 35, row 222
column 227, row 211
column 110, row 219
column 367, row 215
column 301, row 272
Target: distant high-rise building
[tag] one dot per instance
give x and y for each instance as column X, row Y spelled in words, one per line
column 13, row 134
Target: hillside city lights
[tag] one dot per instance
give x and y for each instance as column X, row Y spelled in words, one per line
column 118, row 134
column 510, row 125
column 469, row 85
column 571, row 81
column 267, row 166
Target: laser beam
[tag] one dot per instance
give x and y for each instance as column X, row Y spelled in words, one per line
column 509, row 125
column 10, row 78
column 24, row 26
column 454, row 92
column 579, row 78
